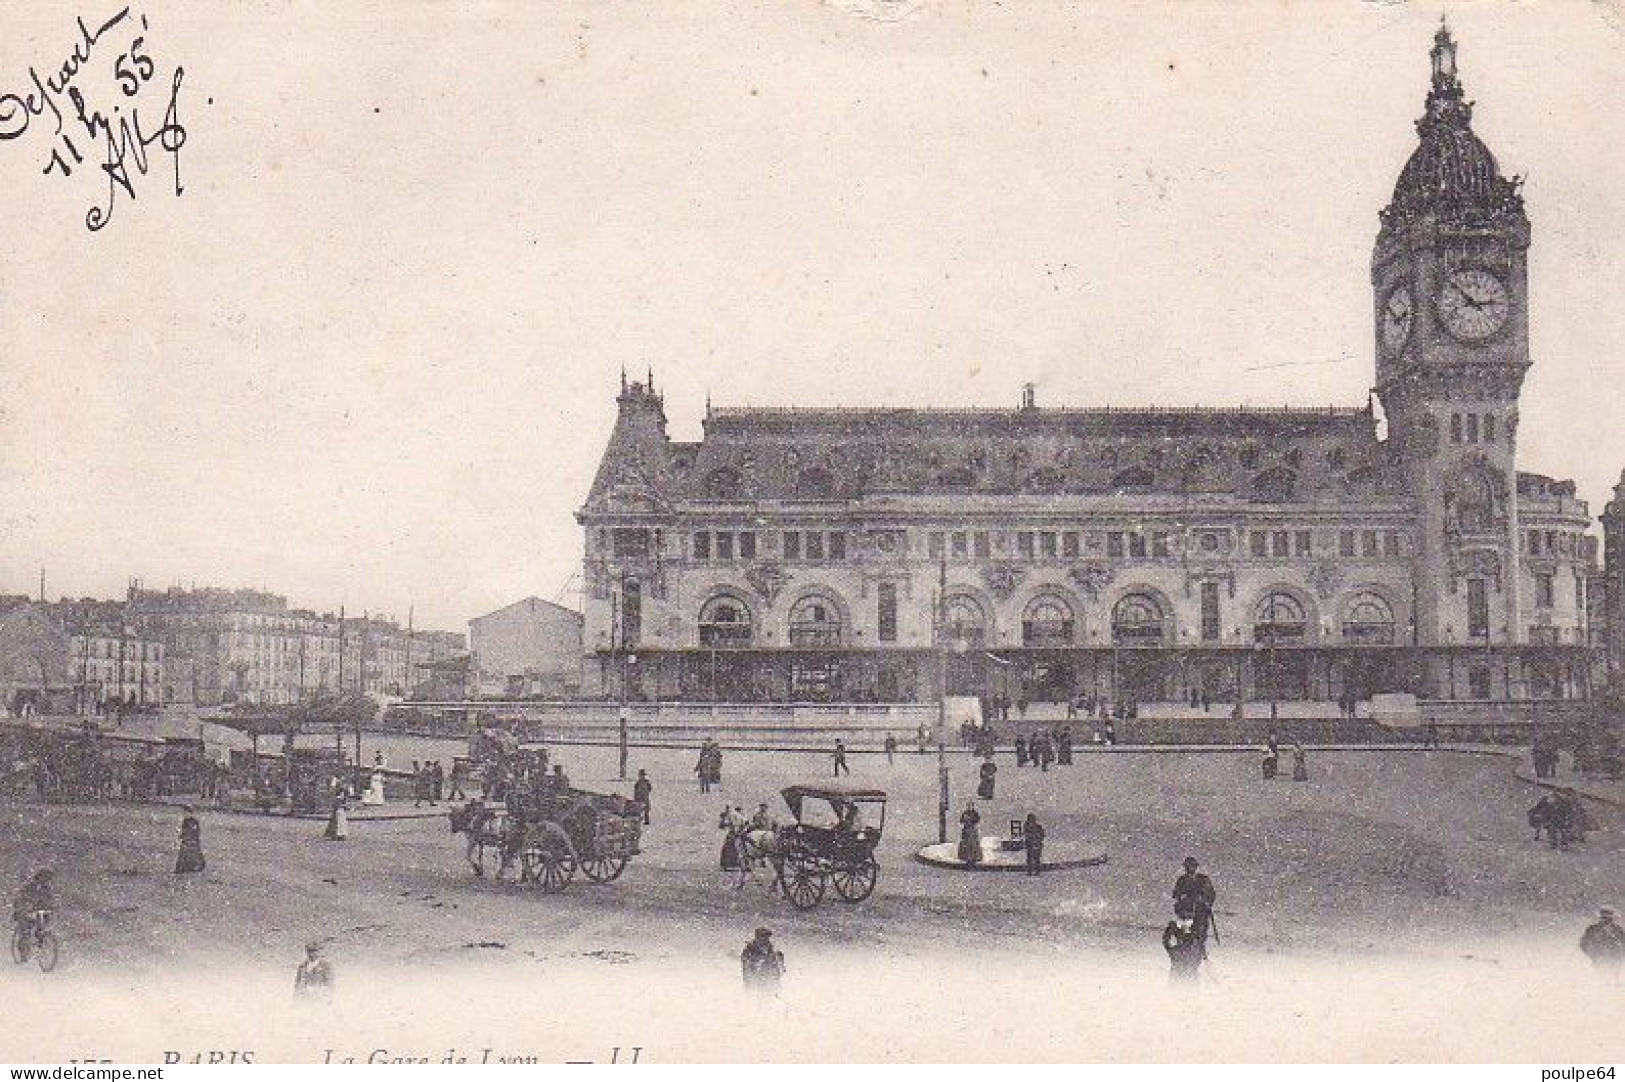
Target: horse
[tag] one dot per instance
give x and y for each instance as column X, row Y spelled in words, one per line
column 759, row 850
column 482, row 827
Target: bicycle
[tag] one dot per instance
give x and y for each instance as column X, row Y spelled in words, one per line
column 34, row 939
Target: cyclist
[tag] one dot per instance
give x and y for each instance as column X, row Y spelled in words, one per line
column 35, row 897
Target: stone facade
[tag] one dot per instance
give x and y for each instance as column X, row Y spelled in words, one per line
column 249, row 646
column 823, row 554
column 531, row 648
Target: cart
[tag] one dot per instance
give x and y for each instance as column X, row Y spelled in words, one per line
column 560, row 831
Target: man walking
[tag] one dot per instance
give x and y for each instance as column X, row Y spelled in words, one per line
column 761, row 964
column 1185, row 951
column 1032, row 838
column 315, row 974
column 840, row 760
column 891, row 749
column 1604, row 943
column 703, row 767
column 642, row 789
column 1193, row 899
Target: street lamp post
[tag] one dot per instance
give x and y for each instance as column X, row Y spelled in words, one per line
column 627, row 660
column 941, row 630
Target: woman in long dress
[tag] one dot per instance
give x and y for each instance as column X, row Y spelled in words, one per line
column 970, row 839
column 374, row 795
column 191, row 855
column 338, row 822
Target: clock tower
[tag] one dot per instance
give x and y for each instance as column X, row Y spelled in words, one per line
column 1450, row 306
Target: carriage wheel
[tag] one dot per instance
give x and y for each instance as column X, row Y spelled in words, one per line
column 48, row 949
column 21, row 944
column 803, row 884
column 855, row 882
column 549, row 871
column 603, row 869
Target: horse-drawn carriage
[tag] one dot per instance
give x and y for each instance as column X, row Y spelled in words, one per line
column 831, row 842
column 551, row 832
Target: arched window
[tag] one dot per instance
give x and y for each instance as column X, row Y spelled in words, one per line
column 965, row 621
column 815, row 484
column 724, row 483
column 1132, row 480
column 1279, row 618
column 1368, row 619
column 815, row 621
column 1138, row 620
column 1274, row 486
column 725, row 621
column 1047, row 622
column 1474, row 502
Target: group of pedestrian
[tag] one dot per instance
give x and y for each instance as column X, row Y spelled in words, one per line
column 709, row 767
column 1045, row 747
column 1562, row 817
column 1271, row 763
column 428, row 783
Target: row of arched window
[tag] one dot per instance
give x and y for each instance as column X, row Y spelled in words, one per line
column 1137, row 619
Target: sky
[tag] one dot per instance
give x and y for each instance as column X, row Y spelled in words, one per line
column 369, row 355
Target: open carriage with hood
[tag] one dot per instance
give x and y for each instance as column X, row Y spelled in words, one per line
column 831, row 843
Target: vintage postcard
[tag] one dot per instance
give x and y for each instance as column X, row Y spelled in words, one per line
column 816, row 530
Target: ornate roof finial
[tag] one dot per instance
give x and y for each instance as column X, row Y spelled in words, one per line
column 1443, row 54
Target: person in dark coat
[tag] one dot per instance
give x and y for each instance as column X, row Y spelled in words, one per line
column 1604, row 943
column 761, row 964
column 1185, row 951
column 840, row 759
column 1021, row 751
column 1063, row 748
column 1300, row 765
column 891, row 749
column 989, row 772
column 970, row 839
column 703, row 767
column 1194, row 897
column 642, row 789
column 1032, row 839
column 190, row 859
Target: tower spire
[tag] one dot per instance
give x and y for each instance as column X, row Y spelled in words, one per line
column 1445, row 104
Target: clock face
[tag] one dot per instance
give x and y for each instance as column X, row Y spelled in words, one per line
column 1397, row 315
column 1473, row 304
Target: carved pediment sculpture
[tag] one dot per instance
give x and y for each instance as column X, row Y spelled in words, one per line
column 767, row 580
column 1091, row 578
column 1327, row 578
column 1002, row 579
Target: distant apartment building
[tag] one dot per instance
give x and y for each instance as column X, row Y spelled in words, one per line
column 111, row 661
column 529, row 649
column 249, row 646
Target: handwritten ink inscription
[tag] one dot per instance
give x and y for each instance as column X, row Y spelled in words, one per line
column 72, row 96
